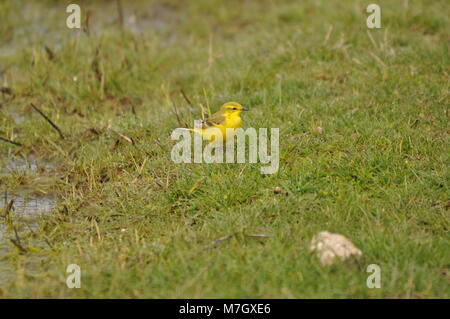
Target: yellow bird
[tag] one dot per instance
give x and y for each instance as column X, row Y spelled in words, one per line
column 227, row 117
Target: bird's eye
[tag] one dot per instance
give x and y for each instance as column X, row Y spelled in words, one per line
column 234, row 108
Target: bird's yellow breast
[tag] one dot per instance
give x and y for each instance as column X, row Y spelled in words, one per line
column 232, row 121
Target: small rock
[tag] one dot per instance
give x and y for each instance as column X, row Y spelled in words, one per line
column 277, row 190
column 330, row 246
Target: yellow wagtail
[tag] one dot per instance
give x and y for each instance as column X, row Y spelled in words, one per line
column 227, row 117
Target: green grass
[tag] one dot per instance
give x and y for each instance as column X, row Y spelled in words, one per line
column 131, row 218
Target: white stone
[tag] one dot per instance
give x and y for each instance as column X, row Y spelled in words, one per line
column 330, row 246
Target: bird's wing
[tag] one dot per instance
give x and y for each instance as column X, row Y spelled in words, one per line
column 213, row 120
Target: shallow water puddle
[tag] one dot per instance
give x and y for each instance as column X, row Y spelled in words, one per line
column 25, row 215
column 29, row 207
column 30, row 165
column 41, row 23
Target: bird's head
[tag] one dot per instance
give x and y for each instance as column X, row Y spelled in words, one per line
column 232, row 108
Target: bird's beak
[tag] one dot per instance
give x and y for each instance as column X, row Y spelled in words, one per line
column 245, row 109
